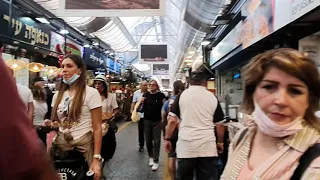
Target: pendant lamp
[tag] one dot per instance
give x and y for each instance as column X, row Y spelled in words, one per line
column 16, row 64
column 35, row 67
column 51, row 69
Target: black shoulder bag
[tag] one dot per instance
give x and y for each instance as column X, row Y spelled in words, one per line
column 305, row 160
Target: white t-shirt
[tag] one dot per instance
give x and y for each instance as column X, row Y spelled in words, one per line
column 109, row 104
column 40, row 110
column 25, row 94
column 92, row 101
column 196, row 129
column 137, row 95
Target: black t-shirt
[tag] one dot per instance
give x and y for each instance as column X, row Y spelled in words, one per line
column 152, row 106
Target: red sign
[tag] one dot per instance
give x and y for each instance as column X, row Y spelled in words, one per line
column 71, row 49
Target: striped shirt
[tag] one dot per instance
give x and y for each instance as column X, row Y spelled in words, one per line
column 279, row 166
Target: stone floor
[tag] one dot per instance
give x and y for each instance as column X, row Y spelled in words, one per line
column 127, row 163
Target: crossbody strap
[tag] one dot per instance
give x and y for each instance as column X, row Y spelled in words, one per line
column 244, row 132
column 305, row 160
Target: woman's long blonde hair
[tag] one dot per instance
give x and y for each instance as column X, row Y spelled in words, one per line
column 78, row 100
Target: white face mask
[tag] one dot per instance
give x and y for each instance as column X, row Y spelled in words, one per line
column 72, row 79
column 270, row 128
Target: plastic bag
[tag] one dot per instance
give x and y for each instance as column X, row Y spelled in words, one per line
column 135, row 116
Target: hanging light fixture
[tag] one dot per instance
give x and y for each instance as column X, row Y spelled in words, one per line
column 16, row 64
column 52, row 69
column 35, row 67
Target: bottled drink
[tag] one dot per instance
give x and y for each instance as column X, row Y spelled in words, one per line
column 90, row 175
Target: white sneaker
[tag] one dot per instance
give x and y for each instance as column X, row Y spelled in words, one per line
column 155, row 167
column 151, row 162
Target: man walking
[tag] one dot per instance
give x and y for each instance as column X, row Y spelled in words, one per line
column 198, row 110
column 152, row 105
column 137, row 96
column 178, row 87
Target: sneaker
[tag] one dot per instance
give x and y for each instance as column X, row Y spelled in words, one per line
column 155, row 166
column 151, row 162
column 141, row 149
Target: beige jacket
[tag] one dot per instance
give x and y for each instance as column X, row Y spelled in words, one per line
column 281, row 165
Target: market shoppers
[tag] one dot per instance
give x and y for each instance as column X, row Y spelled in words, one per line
column 282, row 92
column 40, row 111
column 128, row 96
column 152, row 105
column 198, row 110
column 26, row 97
column 137, row 95
column 178, row 87
column 77, row 107
column 22, row 156
column 39, row 81
column 109, row 110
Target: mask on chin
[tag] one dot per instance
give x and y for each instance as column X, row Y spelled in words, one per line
column 100, row 89
column 72, row 79
column 270, row 128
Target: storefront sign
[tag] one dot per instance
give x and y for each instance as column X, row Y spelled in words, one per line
column 110, row 64
column 287, row 11
column 58, row 43
column 98, row 71
column 263, row 17
column 117, row 67
column 23, row 28
column 230, row 42
column 310, row 45
column 94, row 58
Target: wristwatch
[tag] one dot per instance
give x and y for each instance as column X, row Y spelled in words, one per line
column 167, row 139
column 97, row 156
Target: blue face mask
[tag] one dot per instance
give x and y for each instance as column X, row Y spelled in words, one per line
column 72, row 79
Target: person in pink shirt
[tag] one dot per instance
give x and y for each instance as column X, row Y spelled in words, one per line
column 282, row 137
column 22, row 155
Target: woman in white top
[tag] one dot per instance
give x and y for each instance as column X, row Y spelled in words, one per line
column 77, row 108
column 40, row 110
column 40, row 105
column 109, row 110
column 109, row 101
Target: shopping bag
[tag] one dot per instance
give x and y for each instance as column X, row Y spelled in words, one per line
column 135, row 117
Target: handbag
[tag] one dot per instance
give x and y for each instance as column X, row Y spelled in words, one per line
column 135, row 117
column 305, row 160
column 113, row 125
column 108, row 121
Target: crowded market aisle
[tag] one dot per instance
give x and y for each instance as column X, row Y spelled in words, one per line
column 129, row 164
